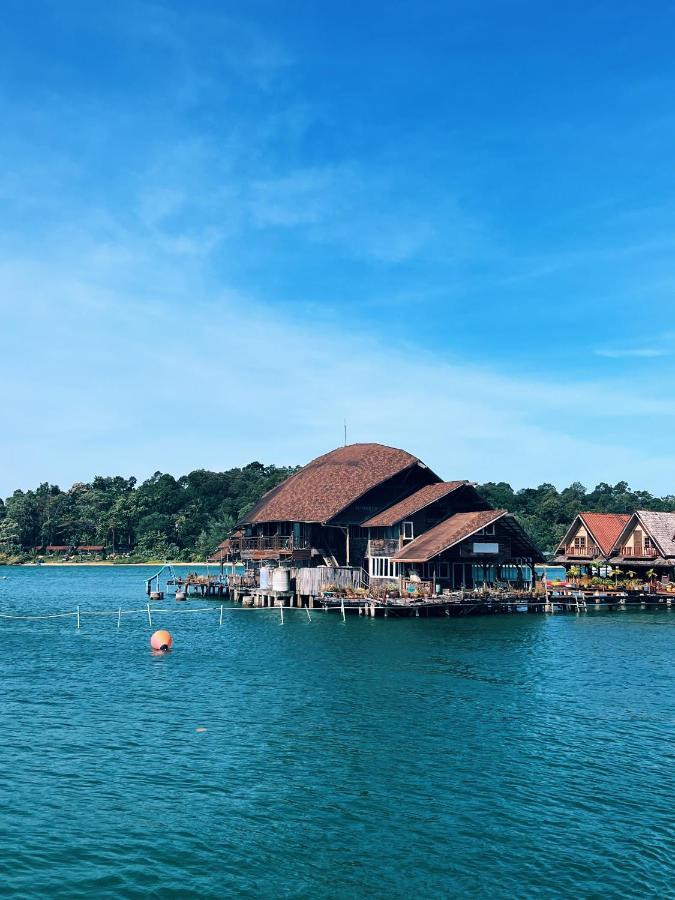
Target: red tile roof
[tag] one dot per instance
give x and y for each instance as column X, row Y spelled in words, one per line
column 330, row 483
column 92, row 547
column 414, row 503
column 605, row 528
column 446, row 534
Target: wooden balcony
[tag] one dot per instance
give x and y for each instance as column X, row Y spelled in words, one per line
column 267, row 547
column 639, row 552
column 590, row 552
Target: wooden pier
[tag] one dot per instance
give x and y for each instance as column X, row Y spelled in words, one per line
column 245, row 590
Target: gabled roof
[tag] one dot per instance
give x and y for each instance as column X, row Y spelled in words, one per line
column 331, row 483
column 605, row 528
column 414, row 503
column 660, row 526
column 446, row 534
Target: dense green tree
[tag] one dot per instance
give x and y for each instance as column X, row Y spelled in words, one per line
column 186, row 518
column 182, row 518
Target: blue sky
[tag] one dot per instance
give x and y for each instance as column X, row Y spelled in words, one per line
column 226, row 227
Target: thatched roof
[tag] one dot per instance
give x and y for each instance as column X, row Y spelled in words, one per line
column 660, row 526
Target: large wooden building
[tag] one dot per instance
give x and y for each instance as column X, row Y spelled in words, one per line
column 382, row 509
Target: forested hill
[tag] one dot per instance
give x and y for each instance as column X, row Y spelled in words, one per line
column 162, row 518
column 185, row 518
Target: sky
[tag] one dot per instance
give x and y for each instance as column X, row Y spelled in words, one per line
column 226, row 228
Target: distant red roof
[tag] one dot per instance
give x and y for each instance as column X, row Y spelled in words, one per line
column 330, row 483
column 94, row 548
column 417, row 501
column 446, row 534
column 59, row 547
column 605, row 528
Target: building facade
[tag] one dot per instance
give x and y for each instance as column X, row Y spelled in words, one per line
column 383, row 510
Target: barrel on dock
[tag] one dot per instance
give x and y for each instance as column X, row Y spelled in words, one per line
column 281, row 580
column 156, row 595
column 265, row 576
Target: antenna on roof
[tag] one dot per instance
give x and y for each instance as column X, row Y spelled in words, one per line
column 345, row 422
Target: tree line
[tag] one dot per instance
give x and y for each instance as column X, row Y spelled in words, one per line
column 162, row 518
column 186, row 518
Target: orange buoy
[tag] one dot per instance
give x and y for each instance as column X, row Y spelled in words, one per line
column 161, row 640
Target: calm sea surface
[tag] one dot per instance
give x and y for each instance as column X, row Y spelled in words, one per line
column 513, row 756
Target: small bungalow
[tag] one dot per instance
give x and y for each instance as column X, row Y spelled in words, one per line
column 590, row 540
column 91, row 550
column 647, row 542
column 57, row 549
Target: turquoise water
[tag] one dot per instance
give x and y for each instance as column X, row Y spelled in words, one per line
column 510, row 756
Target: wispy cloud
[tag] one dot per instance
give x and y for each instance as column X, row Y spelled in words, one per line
column 287, row 403
column 633, row 352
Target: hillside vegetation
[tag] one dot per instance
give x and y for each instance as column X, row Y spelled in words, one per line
column 185, row 518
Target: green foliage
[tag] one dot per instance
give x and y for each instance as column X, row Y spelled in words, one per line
column 187, row 517
column 162, row 518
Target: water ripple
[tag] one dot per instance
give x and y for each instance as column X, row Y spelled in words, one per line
column 495, row 757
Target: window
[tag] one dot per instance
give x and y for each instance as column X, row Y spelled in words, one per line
column 444, row 570
column 383, row 567
column 489, row 529
column 408, row 531
column 580, row 542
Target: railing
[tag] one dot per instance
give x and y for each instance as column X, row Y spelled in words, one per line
column 242, row 581
column 383, row 547
column 417, row 588
column 590, row 552
column 277, row 543
column 639, row 552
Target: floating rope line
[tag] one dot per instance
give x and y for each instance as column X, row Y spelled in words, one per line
column 34, row 618
column 148, row 610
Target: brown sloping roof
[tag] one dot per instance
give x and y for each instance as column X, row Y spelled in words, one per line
column 446, row 534
column 330, row 483
column 414, row 503
column 605, row 528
